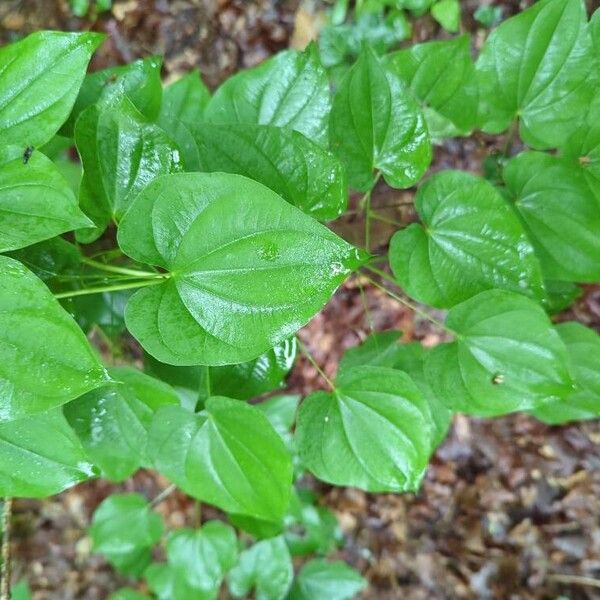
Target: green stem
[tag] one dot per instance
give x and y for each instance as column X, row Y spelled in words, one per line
column 121, row 270
column 383, row 219
column 314, row 363
column 112, row 288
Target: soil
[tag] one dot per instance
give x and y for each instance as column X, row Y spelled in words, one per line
column 509, row 509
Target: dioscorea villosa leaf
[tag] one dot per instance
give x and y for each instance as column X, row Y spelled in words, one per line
column 320, row 578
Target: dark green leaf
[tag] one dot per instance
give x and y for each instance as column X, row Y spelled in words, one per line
column 265, row 566
column 105, row 310
column 302, row 172
column 561, row 215
column 333, row 580
column 534, row 67
column 561, row 294
column 40, row 456
column 507, row 357
column 45, row 360
column 288, row 90
column 36, row 202
column 40, row 77
column 470, row 241
column 372, row 432
column 377, row 125
column 247, row 268
column 121, row 152
column 227, row 455
column 113, row 421
column 583, row 347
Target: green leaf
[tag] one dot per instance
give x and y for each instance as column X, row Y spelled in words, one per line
column 534, row 67
column 265, row 566
column 45, row 360
column 159, row 577
column 376, row 125
column 441, row 76
column 138, row 81
column 123, row 529
column 291, row 89
column 302, row 172
column 281, row 411
column 199, row 559
column 227, row 455
column 40, row 77
column 373, row 432
column 378, row 350
column 333, row 580
column 182, row 109
column 36, row 202
column 40, row 456
column 583, row 347
column 121, row 152
column 105, row 310
column 112, row 422
column 127, row 594
column 561, row 294
column 560, row 213
column 447, row 14
column 247, row 268
column 488, row 16
column 470, row 241
column 507, row 357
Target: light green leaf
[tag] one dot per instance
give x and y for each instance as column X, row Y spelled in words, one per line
column 36, row 202
column 265, row 566
column 470, row 241
column 447, row 14
column 290, row 90
column 127, row 594
column 247, row 268
column 561, row 215
column 40, row 456
column 583, row 347
column 377, row 125
column 40, row 77
column 112, row 422
column 199, row 559
column 121, row 152
column 534, row 67
column 373, row 432
column 138, row 81
column 441, row 75
column 281, row 411
column 227, row 455
column 302, row 172
column 507, row 357
column 333, row 580
column 45, row 360
column 378, row 350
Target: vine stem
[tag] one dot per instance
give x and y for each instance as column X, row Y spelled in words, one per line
column 163, row 495
column 113, row 288
column 5, row 571
column 575, row 579
column 406, row 303
column 314, row 363
column 121, row 270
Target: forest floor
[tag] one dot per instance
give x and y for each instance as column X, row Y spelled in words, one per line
column 509, row 509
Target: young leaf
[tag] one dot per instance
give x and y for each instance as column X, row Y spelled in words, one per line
column 265, row 566
column 377, row 125
column 560, row 212
column 40, row 77
column 247, row 268
column 290, row 90
column 333, row 580
column 447, row 14
column 441, row 75
column 534, row 67
column 45, row 360
column 121, row 152
column 182, row 109
column 302, row 172
column 583, row 347
column 138, row 81
column 112, row 422
column 507, row 357
column 40, row 456
column 199, row 559
column 227, row 455
column 372, row 432
column 123, row 529
column 36, row 202
column 470, row 241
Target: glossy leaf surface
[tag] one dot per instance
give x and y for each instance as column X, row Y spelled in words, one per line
column 507, row 357
column 377, row 125
column 470, row 241
column 333, row 580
